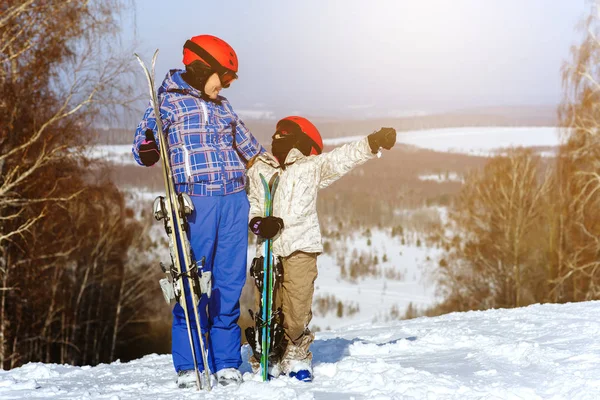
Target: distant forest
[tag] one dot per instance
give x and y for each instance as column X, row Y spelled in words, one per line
column 332, row 127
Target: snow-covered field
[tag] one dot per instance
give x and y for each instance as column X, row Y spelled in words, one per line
column 479, row 141
column 539, row 352
column 115, row 153
column 376, row 296
column 409, row 270
column 445, row 177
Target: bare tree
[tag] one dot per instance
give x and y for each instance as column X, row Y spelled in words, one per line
column 522, row 237
column 496, row 249
column 576, row 245
column 68, row 284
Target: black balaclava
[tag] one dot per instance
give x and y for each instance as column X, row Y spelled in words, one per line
column 196, row 74
column 282, row 146
column 290, row 136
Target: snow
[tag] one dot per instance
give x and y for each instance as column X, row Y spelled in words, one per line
column 445, row 177
column 376, row 296
column 137, row 197
column 477, row 141
column 549, row 351
column 116, row 153
column 415, row 263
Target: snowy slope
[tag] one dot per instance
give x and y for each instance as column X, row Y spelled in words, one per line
column 539, row 352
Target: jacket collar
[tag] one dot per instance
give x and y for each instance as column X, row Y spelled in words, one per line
column 174, row 82
column 269, row 159
column 293, row 156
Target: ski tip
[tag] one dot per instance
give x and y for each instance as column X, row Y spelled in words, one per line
column 154, row 60
column 137, row 56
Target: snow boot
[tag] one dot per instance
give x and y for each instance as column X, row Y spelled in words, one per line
column 274, row 371
column 187, row 379
column 300, row 370
column 303, row 375
column 228, row 376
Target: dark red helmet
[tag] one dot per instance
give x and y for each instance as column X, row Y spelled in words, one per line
column 307, row 128
column 215, row 53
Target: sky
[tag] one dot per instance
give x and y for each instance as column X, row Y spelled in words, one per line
column 376, row 58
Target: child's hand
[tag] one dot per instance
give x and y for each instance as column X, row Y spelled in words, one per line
column 266, row 227
column 385, row 137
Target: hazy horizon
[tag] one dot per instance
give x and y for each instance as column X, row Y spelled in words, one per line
column 382, row 59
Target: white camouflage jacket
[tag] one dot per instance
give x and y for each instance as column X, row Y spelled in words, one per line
column 295, row 200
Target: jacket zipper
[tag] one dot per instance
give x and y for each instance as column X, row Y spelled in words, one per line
column 186, row 154
column 188, row 169
column 205, row 112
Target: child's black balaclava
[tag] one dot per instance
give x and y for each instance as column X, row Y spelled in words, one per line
column 289, row 136
column 282, row 145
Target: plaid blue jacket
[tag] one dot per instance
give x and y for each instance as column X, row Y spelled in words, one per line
column 200, row 139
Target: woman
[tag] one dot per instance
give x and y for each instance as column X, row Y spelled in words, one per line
column 208, row 149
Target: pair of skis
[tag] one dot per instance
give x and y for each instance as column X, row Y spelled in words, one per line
column 267, row 333
column 184, row 279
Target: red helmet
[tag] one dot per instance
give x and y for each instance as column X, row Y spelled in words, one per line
column 308, row 129
column 215, row 53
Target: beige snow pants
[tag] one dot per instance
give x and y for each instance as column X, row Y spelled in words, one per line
column 294, row 294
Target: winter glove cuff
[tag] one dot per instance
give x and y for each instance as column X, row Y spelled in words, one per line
column 254, row 225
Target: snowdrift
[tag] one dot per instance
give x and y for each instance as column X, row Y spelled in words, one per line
column 539, row 352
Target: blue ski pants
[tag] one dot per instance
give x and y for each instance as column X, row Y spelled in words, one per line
column 219, row 232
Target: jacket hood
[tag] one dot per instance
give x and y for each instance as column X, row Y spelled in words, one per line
column 174, row 82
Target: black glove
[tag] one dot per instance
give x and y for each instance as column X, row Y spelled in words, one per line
column 266, row 227
column 385, row 137
column 149, row 153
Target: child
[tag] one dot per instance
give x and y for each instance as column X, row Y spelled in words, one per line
column 294, row 225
